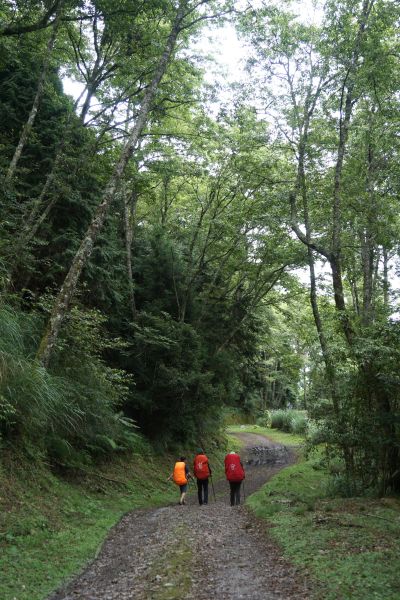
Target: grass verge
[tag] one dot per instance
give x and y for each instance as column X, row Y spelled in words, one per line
column 51, row 524
column 275, row 435
column 349, row 546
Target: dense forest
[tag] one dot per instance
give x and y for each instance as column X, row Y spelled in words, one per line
column 173, row 250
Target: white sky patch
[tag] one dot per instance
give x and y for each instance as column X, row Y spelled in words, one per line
column 72, row 87
column 227, row 51
column 310, row 12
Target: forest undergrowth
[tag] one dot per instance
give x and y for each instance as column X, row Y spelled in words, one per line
column 348, row 545
column 53, row 521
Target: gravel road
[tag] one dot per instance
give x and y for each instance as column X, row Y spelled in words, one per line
column 196, row 552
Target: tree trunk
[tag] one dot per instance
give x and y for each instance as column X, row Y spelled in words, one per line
column 367, row 260
column 35, row 106
column 346, row 109
column 385, row 279
column 68, row 288
column 336, row 253
column 130, row 202
column 302, row 188
column 368, row 249
column 33, row 222
column 354, row 294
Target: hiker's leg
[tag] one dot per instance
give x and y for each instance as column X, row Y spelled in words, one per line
column 183, row 489
column 238, row 492
column 205, row 488
column 199, row 491
column 232, row 486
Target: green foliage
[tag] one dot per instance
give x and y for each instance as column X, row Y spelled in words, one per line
column 291, row 421
column 350, row 548
column 213, row 314
column 175, row 396
column 72, row 412
column 264, row 419
column 233, row 415
column 369, row 435
column 307, row 73
column 57, row 524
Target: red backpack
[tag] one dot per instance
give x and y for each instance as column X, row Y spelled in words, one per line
column 200, row 466
column 233, row 468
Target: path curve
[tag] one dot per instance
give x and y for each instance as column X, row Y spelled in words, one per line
column 196, row 552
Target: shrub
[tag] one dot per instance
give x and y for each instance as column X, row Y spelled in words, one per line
column 264, row 419
column 71, row 412
column 342, row 486
column 298, row 423
column 290, row 421
column 316, row 434
column 280, row 419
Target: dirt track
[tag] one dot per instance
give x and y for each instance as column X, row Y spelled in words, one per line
column 196, row 552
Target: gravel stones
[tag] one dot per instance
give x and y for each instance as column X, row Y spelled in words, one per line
column 195, row 552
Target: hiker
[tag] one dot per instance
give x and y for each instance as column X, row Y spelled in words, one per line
column 181, row 476
column 202, row 472
column 234, row 472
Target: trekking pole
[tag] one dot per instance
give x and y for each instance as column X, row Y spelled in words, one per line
column 244, row 493
column 212, row 485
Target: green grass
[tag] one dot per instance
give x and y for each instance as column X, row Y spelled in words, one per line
column 288, row 439
column 51, row 526
column 350, row 547
column 234, row 444
column 174, row 570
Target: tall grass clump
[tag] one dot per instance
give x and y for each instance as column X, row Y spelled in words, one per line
column 299, row 422
column 290, row 421
column 71, row 412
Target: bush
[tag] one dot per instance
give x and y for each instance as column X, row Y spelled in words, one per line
column 290, row 421
column 264, row 419
column 316, row 434
column 233, row 415
column 342, row 486
column 280, row 419
column 72, row 412
column 299, row 423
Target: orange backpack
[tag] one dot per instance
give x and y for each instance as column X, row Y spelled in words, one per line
column 179, row 475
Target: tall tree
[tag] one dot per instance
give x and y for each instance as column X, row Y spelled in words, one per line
column 35, row 105
column 182, row 17
column 320, row 77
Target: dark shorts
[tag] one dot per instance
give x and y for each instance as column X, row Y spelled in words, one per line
column 183, row 488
